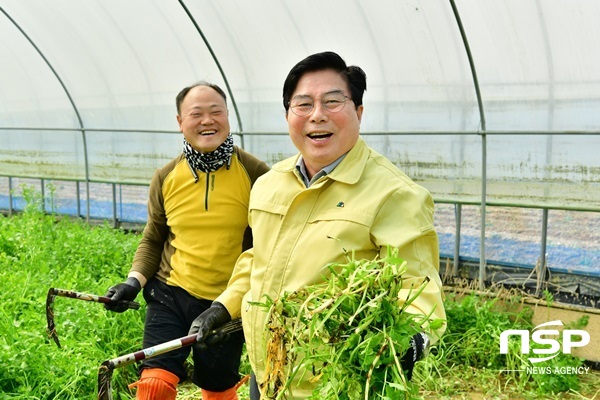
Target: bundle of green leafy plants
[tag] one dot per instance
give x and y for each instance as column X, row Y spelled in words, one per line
column 350, row 332
column 40, row 251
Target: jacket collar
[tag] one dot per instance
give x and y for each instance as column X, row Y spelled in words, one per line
column 348, row 171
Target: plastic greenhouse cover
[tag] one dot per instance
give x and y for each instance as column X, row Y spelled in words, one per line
column 104, row 74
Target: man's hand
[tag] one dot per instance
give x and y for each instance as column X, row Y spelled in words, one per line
column 416, row 349
column 215, row 316
column 127, row 290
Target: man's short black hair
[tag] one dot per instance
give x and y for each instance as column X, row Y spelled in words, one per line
column 181, row 95
column 354, row 76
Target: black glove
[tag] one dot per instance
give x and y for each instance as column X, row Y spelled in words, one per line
column 127, row 290
column 415, row 351
column 215, row 316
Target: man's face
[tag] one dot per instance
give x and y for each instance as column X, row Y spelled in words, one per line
column 203, row 119
column 323, row 136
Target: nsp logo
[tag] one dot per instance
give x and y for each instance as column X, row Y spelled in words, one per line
column 571, row 338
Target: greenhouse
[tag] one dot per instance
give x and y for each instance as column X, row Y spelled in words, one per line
column 492, row 106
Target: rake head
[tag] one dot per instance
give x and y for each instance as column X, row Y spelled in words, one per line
column 104, row 380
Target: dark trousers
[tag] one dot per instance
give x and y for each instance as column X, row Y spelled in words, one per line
column 254, row 392
column 169, row 315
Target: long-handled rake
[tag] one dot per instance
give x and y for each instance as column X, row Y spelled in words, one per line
column 107, row 367
column 53, row 292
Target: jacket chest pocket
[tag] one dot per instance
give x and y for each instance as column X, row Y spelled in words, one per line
column 351, row 228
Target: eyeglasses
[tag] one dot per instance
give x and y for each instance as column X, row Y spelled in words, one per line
column 303, row 105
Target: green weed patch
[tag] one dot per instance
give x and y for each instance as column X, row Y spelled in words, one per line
column 39, row 251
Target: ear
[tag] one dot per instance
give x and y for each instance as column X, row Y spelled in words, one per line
column 359, row 112
column 179, row 121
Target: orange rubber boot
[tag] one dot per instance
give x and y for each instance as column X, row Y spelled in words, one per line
column 156, row 384
column 229, row 394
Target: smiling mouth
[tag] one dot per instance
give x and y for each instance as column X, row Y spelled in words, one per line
column 319, row 135
column 208, row 133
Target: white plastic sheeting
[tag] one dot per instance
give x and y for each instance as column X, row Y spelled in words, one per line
column 87, row 88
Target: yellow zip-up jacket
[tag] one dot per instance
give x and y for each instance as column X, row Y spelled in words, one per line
column 365, row 203
column 198, row 224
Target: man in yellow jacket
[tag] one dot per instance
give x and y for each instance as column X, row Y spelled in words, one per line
column 336, row 194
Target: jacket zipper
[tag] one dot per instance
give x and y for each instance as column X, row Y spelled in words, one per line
column 206, row 194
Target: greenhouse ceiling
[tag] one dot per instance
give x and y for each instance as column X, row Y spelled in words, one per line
column 117, row 64
column 442, row 75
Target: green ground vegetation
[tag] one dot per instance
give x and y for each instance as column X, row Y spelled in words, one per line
column 39, row 251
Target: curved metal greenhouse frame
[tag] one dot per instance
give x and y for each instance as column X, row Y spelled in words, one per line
column 485, row 103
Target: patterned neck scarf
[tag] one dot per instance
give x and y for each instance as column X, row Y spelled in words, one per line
column 209, row 162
